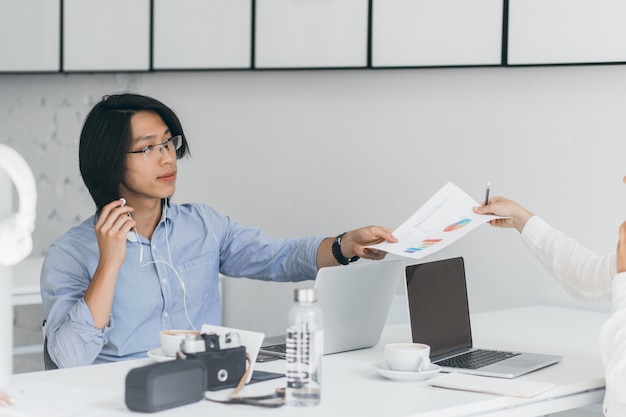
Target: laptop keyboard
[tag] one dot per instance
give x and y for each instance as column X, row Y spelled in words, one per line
column 476, row 359
column 279, row 349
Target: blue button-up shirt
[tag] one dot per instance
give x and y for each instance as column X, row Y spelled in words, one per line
column 164, row 283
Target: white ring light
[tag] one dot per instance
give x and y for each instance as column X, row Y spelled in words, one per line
column 15, row 232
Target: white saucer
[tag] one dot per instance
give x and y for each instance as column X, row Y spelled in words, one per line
column 384, row 370
column 158, row 355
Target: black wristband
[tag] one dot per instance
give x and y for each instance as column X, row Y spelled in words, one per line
column 337, row 252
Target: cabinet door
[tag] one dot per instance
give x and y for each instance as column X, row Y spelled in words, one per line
column 311, row 33
column 202, row 34
column 111, row 35
column 29, row 35
column 566, row 31
column 417, row 33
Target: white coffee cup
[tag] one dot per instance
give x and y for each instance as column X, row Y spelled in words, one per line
column 170, row 340
column 407, row 356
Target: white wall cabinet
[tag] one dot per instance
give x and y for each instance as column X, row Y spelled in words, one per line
column 29, row 35
column 566, row 31
column 202, row 34
column 311, row 33
column 146, row 35
column 420, row 33
column 112, row 35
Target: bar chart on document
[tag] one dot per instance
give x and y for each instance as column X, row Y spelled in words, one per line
column 446, row 217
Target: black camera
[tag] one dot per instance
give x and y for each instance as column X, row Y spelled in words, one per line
column 223, row 356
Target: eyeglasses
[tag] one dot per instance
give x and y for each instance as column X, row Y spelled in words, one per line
column 148, row 152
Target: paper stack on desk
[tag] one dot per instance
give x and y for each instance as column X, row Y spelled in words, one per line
column 489, row 385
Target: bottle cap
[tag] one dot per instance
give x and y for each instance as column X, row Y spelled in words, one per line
column 305, row 295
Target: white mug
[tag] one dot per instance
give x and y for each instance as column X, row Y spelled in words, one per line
column 171, row 339
column 407, row 356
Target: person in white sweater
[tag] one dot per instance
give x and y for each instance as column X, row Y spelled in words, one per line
column 586, row 276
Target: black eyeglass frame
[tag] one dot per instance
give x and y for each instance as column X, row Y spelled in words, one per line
column 177, row 146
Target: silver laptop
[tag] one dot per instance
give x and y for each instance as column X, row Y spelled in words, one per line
column 355, row 301
column 439, row 316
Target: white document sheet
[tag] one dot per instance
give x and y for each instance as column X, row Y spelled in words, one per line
column 499, row 386
column 446, row 217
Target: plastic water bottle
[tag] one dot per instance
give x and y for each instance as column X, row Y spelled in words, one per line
column 305, row 344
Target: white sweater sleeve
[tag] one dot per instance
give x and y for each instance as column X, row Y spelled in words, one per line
column 613, row 350
column 584, row 274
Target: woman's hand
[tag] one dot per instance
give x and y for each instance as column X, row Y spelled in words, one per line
column 517, row 215
column 621, row 249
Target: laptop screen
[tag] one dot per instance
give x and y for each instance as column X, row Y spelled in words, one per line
column 438, row 307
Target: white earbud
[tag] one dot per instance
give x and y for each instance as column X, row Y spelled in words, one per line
column 130, row 236
column 15, row 232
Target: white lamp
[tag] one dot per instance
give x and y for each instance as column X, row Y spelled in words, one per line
column 15, row 245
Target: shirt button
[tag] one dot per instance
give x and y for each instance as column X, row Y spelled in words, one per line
column 166, row 315
column 164, row 281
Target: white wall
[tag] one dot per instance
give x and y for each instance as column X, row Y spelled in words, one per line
column 320, row 152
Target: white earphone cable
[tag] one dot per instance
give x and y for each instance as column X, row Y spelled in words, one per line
column 168, row 264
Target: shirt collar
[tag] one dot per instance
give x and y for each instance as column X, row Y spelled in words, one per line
column 133, row 236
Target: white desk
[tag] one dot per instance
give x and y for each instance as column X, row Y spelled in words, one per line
column 351, row 387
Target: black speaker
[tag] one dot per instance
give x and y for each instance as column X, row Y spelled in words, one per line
column 164, row 385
